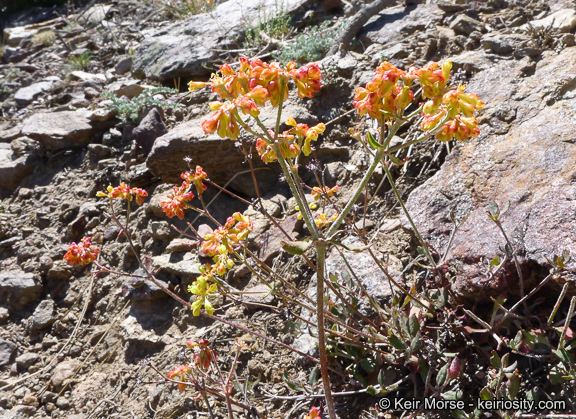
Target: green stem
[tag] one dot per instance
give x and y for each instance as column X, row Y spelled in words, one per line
column 321, row 247
column 399, row 197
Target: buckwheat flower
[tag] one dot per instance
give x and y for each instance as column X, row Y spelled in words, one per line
column 221, row 236
column 177, row 199
column 222, row 121
column 318, row 193
column 314, row 413
column 203, row 289
column 196, row 85
column 322, row 220
column 265, row 151
column 124, row 192
column 433, row 79
column 312, row 135
column 385, row 79
column 82, row 253
column 307, row 80
column 431, row 121
column 243, row 226
column 181, row 374
column 196, row 177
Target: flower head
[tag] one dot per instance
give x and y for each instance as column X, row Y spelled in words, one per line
column 82, row 253
column 177, row 199
column 124, row 192
column 181, row 374
column 196, row 177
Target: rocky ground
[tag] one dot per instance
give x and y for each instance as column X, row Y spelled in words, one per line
column 72, row 346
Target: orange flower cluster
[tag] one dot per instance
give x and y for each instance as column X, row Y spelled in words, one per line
column 235, row 230
column 384, row 94
column 254, row 84
column 196, row 177
column 177, row 198
column 124, row 192
column 203, row 355
column 388, row 94
column 323, row 221
column 82, row 253
column 180, row 374
column 313, row 414
column 318, row 192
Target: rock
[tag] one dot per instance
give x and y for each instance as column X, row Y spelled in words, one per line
column 254, row 296
column 473, row 61
column 63, row 372
column 13, row 36
column 84, row 76
column 184, row 264
column 183, row 48
column 218, row 156
column 60, row 130
column 43, row 315
column 465, row 25
column 392, row 25
column 149, row 129
column 365, row 270
column 9, row 134
column 27, row 360
column 531, row 166
column 24, row 145
column 124, row 65
column 501, row 44
column 7, row 351
column 95, row 14
column 141, row 289
column 182, row 245
column 14, row 170
column 564, row 20
column 269, row 243
column 19, row 288
column 161, row 230
column 25, row 95
column 128, row 88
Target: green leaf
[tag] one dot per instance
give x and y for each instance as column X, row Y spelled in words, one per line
column 314, row 376
column 373, row 143
column 416, row 342
column 371, row 390
column 495, row 360
column 493, row 209
column 514, row 385
column 382, row 378
column 413, row 325
column 452, row 395
column 397, row 343
column 395, row 160
column 495, row 261
column 368, row 365
column 505, row 359
column 296, row 247
column 486, row 394
column 441, row 376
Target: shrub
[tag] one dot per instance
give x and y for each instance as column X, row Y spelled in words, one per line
column 309, row 46
column 130, row 109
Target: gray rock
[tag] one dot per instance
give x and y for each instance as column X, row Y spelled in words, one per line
column 9, row 134
column 14, row 169
column 357, row 267
column 63, row 372
column 473, row 61
column 531, row 165
column 255, row 296
column 564, row 20
column 129, row 88
column 13, row 36
column 27, row 360
column 24, row 145
column 161, row 230
column 219, row 157
column 140, row 289
column 43, row 315
column 182, row 49
column 124, row 65
column 61, row 130
column 465, row 25
column 84, row 76
column 95, row 14
column 393, row 24
column 185, row 264
column 149, row 129
column 7, row 351
column 499, row 44
column 19, row 288
column 25, row 95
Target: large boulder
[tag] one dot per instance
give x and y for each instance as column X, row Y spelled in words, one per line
column 393, row 24
column 526, row 156
column 19, row 288
column 60, row 130
column 183, row 48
